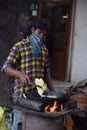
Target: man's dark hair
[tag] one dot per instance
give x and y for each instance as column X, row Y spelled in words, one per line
column 38, row 24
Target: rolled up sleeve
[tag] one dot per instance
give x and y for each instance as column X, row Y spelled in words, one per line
column 12, row 57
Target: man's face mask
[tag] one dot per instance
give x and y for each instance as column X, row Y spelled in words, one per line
column 40, row 37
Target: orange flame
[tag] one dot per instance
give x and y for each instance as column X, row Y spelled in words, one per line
column 50, row 108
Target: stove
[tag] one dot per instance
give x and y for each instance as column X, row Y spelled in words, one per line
column 34, row 120
column 35, row 116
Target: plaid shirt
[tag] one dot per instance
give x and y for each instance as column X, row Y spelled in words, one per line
column 22, row 58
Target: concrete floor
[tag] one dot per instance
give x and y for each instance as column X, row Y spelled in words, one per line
column 60, row 86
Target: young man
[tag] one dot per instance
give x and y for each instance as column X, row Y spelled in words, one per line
column 27, row 60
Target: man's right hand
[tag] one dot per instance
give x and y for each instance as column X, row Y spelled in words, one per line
column 24, row 78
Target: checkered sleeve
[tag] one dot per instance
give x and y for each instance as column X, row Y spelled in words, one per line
column 12, row 57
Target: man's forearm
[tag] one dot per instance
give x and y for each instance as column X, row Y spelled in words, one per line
column 49, row 81
column 24, row 78
column 12, row 72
